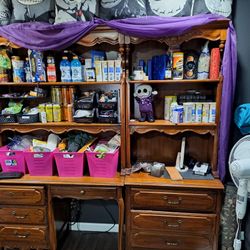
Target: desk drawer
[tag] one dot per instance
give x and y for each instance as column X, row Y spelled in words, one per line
column 83, row 192
column 23, row 233
column 170, row 200
column 147, row 240
column 173, row 222
column 23, row 195
column 22, row 215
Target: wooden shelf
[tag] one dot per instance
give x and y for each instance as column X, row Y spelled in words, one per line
column 168, row 127
column 55, row 180
column 60, row 127
column 144, row 179
column 56, row 83
column 184, row 81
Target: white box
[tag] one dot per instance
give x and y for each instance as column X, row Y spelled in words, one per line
column 104, row 71
column 198, row 112
column 205, row 112
column 118, row 70
column 98, row 71
column 111, row 70
column 212, row 112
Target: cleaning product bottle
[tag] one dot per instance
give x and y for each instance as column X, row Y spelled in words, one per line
column 65, row 69
column 27, row 70
column 76, row 70
column 203, row 63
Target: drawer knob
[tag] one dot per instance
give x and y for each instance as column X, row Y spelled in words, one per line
column 172, row 202
column 18, row 235
column 172, row 225
column 82, row 192
column 19, row 216
column 172, row 243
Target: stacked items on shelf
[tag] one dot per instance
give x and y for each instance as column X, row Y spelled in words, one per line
column 179, row 65
column 39, row 155
column 190, row 108
column 100, row 105
column 73, row 68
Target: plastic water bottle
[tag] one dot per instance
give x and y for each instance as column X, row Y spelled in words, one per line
column 76, row 70
column 65, row 69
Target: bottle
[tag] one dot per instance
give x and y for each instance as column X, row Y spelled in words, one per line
column 203, row 63
column 168, row 71
column 65, row 69
column 28, row 76
column 51, row 69
column 76, row 70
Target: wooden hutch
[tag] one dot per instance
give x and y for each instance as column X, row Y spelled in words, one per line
column 160, row 213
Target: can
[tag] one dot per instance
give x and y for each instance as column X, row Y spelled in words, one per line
column 198, row 112
column 178, row 58
column 49, row 112
column 189, row 112
column 64, row 96
column 212, row 112
column 64, row 113
column 71, row 94
column 167, row 105
column 42, row 113
column 53, row 95
column 57, row 116
column 205, row 112
column 58, row 95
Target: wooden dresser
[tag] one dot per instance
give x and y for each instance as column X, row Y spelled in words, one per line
column 165, row 214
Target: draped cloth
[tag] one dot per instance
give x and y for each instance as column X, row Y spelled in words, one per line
column 42, row 36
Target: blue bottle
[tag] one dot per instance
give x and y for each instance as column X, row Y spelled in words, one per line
column 76, row 70
column 65, row 69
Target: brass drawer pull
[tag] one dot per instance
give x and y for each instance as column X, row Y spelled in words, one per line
column 21, row 235
column 177, row 225
column 19, row 216
column 82, row 192
column 172, row 202
column 172, row 243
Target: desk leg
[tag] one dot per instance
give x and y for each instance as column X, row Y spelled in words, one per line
column 121, row 217
column 51, row 222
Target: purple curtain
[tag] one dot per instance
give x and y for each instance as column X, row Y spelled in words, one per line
column 43, row 36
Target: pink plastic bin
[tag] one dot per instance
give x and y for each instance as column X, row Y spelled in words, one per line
column 39, row 163
column 102, row 167
column 69, row 164
column 12, row 160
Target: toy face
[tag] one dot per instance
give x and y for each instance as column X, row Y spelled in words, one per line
column 220, row 7
column 30, row 2
column 143, row 91
column 167, row 8
column 109, row 3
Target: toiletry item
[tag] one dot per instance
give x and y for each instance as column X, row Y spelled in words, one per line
column 214, row 64
column 203, row 63
column 76, row 70
column 198, row 112
column 190, row 65
column 173, row 105
column 49, row 112
column 178, row 65
column 51, row 69
column 98, row 71
column 90, row 75
column 168, row 71
column 167, row 103
column 111, row 70
column 189, row 112
column 104, row 71
column 65, row 69
column 212, row 112
column 205, row 112
column 118, row 70
column 57, row 116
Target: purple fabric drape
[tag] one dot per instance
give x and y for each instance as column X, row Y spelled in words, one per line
column 43, row 36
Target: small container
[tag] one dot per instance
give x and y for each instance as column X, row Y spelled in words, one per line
column 57, row 117
column 178, row 114
column 71, row 94
column 212, row 112
column 178, row 58
column 189, row 112
column 70, row 112
column 49, row 112
column 18, row 69
column 205, row 112
column 167, row 103
column 198, row 112
column 64, row 96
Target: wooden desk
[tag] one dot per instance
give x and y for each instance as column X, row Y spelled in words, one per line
column 36, row 194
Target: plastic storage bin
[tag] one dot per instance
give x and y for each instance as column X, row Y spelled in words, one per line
column 102, row 167
column 39, row 163
column 69, row 164
column 12, row 160
column 25, row 119
column 7, row 118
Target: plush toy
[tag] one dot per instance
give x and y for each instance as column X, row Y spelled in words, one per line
column 144, row 96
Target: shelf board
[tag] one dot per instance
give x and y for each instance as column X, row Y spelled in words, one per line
column 144, row 179
column 56, row 83
column 55, row 180
column 60, row 127
column 184, row 81
column 171, row 128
